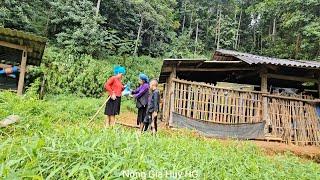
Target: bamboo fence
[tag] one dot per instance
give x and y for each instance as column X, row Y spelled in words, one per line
column 220, row 105
column 294, row 120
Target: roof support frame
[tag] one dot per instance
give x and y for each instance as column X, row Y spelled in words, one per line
column 15, row 46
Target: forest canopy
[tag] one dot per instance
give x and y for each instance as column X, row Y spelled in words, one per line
column 171, row 28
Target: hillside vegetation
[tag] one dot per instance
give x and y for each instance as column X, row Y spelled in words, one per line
column 83, row 75
column 171, row 28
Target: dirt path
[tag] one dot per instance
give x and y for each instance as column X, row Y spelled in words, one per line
column 269, row 148
column 307, row 152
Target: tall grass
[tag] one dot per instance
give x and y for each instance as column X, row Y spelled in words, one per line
column 53, row 141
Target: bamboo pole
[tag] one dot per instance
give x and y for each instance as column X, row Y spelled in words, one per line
column 22, row 71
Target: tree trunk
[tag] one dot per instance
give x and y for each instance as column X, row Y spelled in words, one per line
column 261, row 41
column 274, row 30
column 48, row 22
column 184, row 16
column 238, row 30
column 191, row 18
column 98, row 7
column 196, row 40
column 297, row 46
column 254, row 37
column 219, row 30
column 235, row 33
column 207, row 25
column 216, row 29
column 269, row 30
column 138, row 36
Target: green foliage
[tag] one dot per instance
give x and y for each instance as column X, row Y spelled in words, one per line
column 79, row 29
column 183, row 47
column 164, row 23
column 53, row 141
column 24, row 15
column 82, row 75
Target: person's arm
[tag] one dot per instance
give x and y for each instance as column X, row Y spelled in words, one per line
column 136, row 90
column 108, row 86
column 156, row 101
column 143, row 89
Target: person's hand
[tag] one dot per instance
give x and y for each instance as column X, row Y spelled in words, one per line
column 113, row 97
column 154, row 114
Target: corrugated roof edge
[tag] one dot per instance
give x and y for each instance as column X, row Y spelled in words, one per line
column 22, row 34
column 256, row 59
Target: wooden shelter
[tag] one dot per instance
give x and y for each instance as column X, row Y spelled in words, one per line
column 18, row 48
column 281, row 94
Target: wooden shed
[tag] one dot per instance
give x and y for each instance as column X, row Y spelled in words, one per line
column 18, row 49
column 244, row 96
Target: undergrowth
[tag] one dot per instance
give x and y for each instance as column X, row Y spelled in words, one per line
column 54, row 141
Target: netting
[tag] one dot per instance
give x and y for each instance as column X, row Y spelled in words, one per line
column 211, row 129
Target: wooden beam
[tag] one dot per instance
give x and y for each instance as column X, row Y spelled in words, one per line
column 318, row 88
column 192, row 69
column 199, row 59
column 224, row 62
column 214, row 69
column 246, row 75
column 292, row 98
column 212, row 86
column 22, row 72
column 15, row 46
column 166, row 69
column 291, row 78
column 199, row 65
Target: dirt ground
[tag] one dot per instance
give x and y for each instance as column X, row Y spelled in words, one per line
column 306, row 152
column 269, row 148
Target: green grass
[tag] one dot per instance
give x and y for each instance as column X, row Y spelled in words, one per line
column 54, row 141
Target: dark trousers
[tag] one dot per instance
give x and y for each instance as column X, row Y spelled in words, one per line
column 153, row 123
column 141, row 115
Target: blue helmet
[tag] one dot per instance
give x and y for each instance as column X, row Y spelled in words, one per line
column 119, row 69
column 144, row 77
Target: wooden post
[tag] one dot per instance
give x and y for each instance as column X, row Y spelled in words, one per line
column 318, row 88
column 23, row 67
column 169, row 93
column 171, row 105
column 264, row 89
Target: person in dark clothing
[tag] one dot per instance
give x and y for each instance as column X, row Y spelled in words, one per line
column 153, row 107
column 141, row 96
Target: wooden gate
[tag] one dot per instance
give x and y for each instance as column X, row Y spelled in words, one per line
column 295, row 121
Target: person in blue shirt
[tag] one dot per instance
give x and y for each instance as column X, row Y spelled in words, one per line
column 153, row 107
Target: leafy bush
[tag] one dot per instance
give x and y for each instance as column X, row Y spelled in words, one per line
column 85, row 76
column 54, row 141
